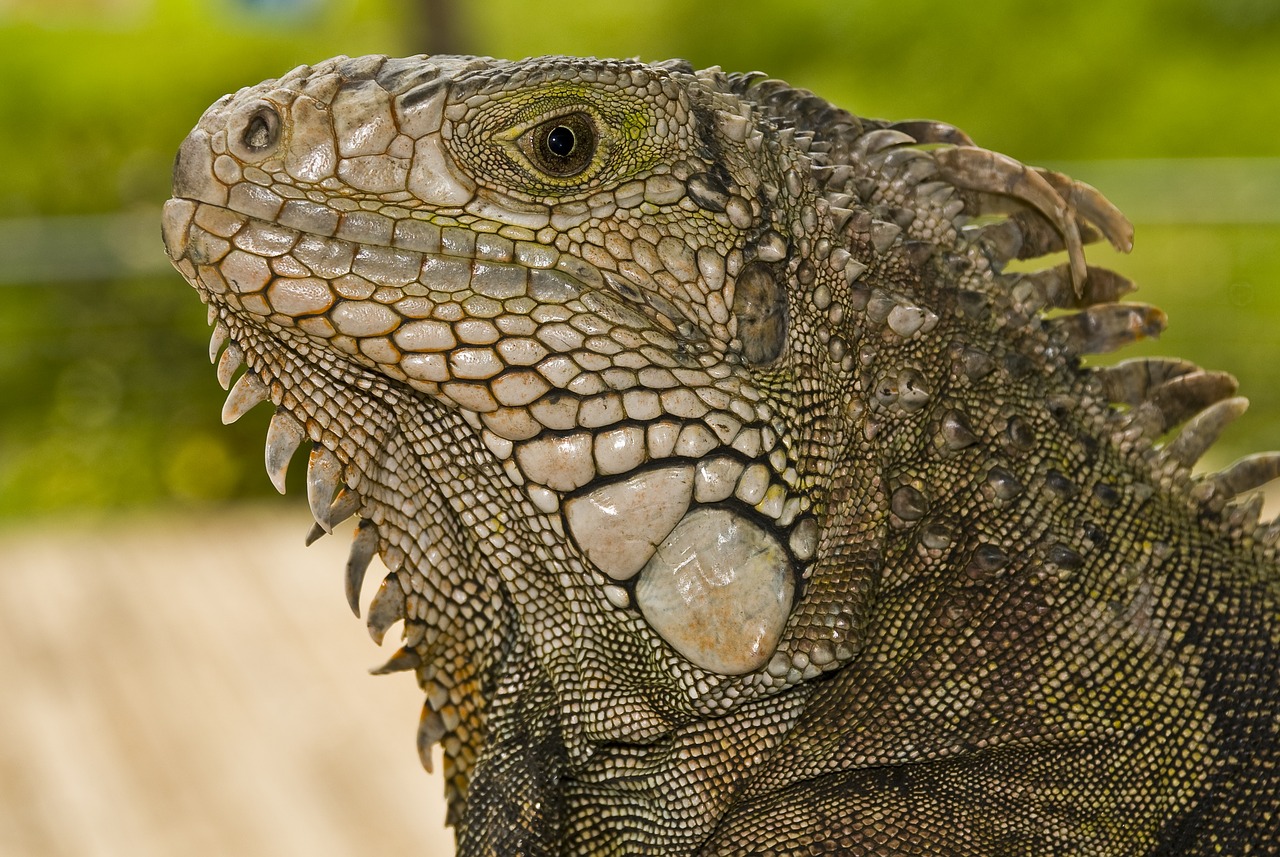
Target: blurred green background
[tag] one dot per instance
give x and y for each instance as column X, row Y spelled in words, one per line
column 1171, row 107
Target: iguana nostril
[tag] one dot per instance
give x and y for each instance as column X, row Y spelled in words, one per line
column 260, row 132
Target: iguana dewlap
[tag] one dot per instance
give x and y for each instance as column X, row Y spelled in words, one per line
column 737, row 499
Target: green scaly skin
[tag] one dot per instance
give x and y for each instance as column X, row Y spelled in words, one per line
column 736, row 500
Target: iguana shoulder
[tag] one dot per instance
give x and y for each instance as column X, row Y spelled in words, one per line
column 738, row 494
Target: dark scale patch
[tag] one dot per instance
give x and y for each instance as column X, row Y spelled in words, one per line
column 986, row 560
column 1090, row 444
column 975, row 305
column 1094, row 534
column 1060, row 484
column 1064, row 556
column 1238, row 643
column 421, row 94
column 709, row 149
column 1019, row 366
column 1004, row 484
column 401, row 75
column 909, row 504
column 975, row 363
column 902, row 218
column 514, row 804
column 708, row 192
column 1019, row 436
column 859, row 297
column 937, row 535
column 859, row 227
column 918, row 253
column 1062, row 409
column 957, row 431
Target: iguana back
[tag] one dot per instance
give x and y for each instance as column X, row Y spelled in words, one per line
column 738, row 495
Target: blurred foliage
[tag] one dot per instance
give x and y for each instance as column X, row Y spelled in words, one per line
column 109, row 402
column 1144, row 78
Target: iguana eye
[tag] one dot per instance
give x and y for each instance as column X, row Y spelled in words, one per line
column 561, row 147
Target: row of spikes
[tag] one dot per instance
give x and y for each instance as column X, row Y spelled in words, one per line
column 1161, row 394
column 331, row 503
column 1046, row 212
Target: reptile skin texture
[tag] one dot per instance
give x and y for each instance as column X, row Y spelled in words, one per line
column 739, row 495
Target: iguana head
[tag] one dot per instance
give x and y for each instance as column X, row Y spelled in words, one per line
column 572, row 335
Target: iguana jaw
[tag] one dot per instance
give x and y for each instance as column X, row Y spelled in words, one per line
column 217, row 249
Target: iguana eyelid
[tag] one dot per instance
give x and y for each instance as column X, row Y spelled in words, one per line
column 518, row 130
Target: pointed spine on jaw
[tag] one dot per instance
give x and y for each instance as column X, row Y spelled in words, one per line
column 346, row 504
column 232, row 359
column 217, row 339
column 247, row 393
column 324, row 474
column 387, row 607
column 363, row 547
column 330, row 502
column 284, row 436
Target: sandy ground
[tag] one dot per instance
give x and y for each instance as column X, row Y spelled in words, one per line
column 198, row 687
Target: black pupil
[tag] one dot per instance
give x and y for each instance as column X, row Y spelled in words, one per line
column 561, row 141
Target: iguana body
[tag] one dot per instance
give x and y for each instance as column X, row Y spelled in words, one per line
column 735, row 500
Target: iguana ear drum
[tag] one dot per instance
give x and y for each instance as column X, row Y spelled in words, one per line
column 760, row 306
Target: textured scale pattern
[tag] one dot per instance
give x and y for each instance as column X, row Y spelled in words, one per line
column 737, row 498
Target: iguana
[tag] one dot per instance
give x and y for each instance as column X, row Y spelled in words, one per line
column 737, row 496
